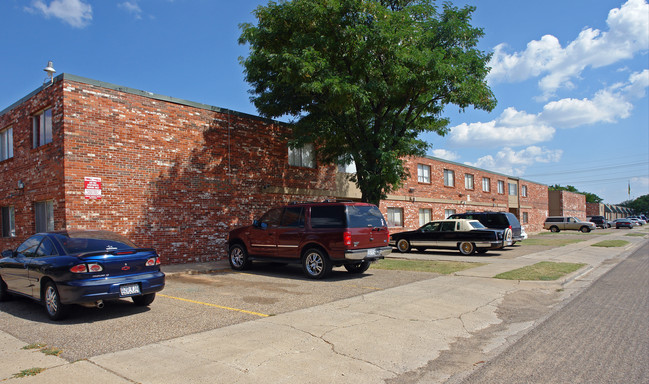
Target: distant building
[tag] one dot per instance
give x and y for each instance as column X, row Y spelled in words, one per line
column 564, row 203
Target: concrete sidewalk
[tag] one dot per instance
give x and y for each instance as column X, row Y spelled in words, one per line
column 369, row 338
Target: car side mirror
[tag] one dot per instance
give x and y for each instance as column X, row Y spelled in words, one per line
column 259, row 224
column 8, row 253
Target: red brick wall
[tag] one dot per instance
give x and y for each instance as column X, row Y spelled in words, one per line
column 564, row 203
column 174, row 177
column 40, row 169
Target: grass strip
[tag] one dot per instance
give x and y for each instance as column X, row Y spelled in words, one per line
column 543, row 271
column 636, row 234
column 611, row 243
column 550, row 242
column 431, row 266
column 28, row 372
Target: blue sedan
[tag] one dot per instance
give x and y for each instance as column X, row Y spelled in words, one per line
column 80, row 267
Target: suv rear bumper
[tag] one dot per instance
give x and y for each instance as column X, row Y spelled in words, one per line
column 367, row 253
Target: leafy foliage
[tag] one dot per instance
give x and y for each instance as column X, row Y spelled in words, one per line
column 362, row 79
column 639, row 205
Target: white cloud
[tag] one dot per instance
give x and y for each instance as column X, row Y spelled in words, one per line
column 74, row 12
column 512, row 128
column 515, row 163
column 133, row 8
column 628, row 34
column 445, row 154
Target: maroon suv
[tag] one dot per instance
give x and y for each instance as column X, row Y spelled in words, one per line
column 317, row 235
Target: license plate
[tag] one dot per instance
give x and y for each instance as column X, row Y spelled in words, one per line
column 129, row 289
column 372, row 252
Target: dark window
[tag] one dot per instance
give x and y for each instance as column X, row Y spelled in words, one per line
column 46, row 248
column 272, row 217
column 328, row 216
column 8, row 222
column 28, row 248
column 448, row 226
column 82, row 242
column 293, row 217
column 361, row 216
column 44, row 216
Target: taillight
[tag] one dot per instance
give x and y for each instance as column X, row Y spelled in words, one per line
column 90, row 267
column 79, row 268
column 347, row 239
column 151, row 261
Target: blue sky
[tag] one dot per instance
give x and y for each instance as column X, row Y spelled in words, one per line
column 571, row 77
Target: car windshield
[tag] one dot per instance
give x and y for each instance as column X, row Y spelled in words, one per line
column 75, row 243
column 476, row 224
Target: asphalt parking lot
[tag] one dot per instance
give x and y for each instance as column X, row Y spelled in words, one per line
column 193, row 303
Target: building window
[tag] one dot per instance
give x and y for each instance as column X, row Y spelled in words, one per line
column 425, row 215
column 513, row 189
column 448, row 212
column 42, row 132
column 301, row 157
column 524, row 190
column 501, row 187
column 449, row 178
column 525, row 218
column 8, row 222
column 395, row 217
column 423, row 173
column 486, row 184
column 6, row 144
column 44, row 216
column 468, row 181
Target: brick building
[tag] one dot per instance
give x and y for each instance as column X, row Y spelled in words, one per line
column 177, row 175
column 564, row 203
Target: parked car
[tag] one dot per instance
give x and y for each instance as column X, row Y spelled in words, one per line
column 635, row 221
column 624, row 223
column 318, row 235
column 639, row 219
column 559, row 223
column 468, row 236
column 599, row 221
column 80, row 267
column 495, row 220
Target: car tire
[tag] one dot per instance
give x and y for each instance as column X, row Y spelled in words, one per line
column 143, row 300
column 508, row 236
column 466, row 248
column 4, row 295
column 52, row 301
column 238, row 257
column 357, row 268
column 403, row 245
column 554, row 229
column 584, row 229
column 316, row 264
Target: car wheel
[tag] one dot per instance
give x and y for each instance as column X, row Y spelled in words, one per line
column 144, row 300
column 508, row 236
column 554, row 229
column 238, row 257
column 4, row 295
column 316, row 264
column 403, row 245
column 584, row 229
column 52, row 300
column 358, row 267
column 466, row 248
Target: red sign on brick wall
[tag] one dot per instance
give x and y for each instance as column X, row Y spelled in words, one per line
column 92, row 187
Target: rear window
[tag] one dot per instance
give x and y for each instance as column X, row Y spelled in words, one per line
column 78, row 243
column 331, row 216
column 362, row 216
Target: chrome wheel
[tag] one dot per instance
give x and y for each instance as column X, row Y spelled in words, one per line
column 55, row 310
column 316, row 264
column 238, row 257
column 466, row 248
column 403, row 245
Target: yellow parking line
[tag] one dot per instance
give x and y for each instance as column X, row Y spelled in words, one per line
column 214, row 305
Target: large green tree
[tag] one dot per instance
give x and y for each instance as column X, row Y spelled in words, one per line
column 639, row 205
column 362, row 79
